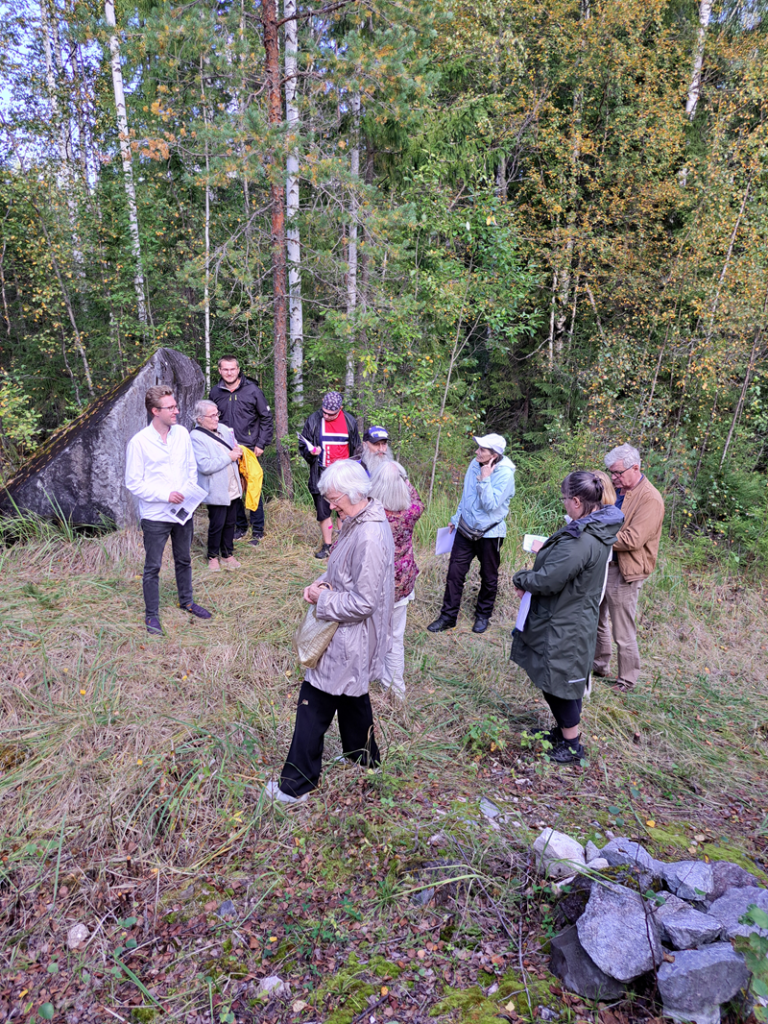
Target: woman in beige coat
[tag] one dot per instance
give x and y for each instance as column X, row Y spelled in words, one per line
column 358, row 592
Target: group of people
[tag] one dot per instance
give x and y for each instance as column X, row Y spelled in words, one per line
column 581, row 594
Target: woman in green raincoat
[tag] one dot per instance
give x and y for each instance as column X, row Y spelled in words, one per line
column 557, row 641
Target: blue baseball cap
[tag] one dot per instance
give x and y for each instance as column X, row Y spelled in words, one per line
column 376, row 434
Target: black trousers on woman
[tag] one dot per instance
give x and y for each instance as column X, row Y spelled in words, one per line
column 221, row 530
column 567, row 713
column 314, row 715
column 488, row 552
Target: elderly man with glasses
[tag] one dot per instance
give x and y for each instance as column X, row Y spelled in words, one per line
column 634, row 559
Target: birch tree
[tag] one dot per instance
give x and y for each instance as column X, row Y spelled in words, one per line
column 293, row 239
column 694, row 89
column 354, row 174
column 125, row 154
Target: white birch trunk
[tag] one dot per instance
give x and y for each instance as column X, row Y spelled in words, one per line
column 206, row 286
column 293, row 239
column 354, row 171
column 125, row 153
column 694, row 89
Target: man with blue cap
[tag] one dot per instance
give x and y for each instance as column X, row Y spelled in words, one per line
column 375, row 450
column 480, row 525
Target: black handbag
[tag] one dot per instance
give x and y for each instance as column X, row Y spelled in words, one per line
column 470, row 533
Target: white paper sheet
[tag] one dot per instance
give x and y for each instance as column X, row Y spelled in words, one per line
column 522, row 614
column 529, row 538
column 193, row 495
column 445, row 539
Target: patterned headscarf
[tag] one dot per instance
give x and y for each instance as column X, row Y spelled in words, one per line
column 332, row 401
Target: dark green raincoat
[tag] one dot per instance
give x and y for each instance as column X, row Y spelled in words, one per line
column 557, row 644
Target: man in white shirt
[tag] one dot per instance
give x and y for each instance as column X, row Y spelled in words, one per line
column 159, row 466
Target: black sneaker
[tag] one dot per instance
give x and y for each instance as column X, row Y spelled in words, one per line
column 152, row 623
column 255, row 541
column 324, row 551
column 441, row 622
column 567, row 752
column 481, row 624
column 239, row 534
column 195, row 609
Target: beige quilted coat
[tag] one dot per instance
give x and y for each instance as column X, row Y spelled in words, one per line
column 362, row 574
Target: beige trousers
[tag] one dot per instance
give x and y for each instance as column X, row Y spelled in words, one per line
column 620, row 603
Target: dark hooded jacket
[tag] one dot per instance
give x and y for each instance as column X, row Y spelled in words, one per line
column 557, row 643
column 245, row 410
column 311, row 431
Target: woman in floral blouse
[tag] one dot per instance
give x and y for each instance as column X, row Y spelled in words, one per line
column 403, row 507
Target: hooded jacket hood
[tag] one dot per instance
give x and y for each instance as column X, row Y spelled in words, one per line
column 604, row 523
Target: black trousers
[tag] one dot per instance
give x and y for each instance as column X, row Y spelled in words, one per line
column 567, row 713
column 314, row 715
column 156, row 536
column 488, row 552
column 256, row 516
column 221, row 530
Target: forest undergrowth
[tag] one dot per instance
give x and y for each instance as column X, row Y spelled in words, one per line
column 131, row 772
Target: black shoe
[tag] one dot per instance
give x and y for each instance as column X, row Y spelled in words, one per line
column 441, row 622
column 239, row 534
column 254, row 541
column 567, row 752
column 324, row 551
column 152, row 623
column 196, row 610
column 481, row 624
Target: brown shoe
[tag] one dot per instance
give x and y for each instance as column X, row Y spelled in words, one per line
column 622, row 686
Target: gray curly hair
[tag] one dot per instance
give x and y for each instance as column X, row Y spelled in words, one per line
column 625, row 454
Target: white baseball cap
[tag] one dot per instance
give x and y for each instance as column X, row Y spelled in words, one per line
column 495, row 442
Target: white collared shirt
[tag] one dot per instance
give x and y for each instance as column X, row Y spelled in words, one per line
column 153, row 469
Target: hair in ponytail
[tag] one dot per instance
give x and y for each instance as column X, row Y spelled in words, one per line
column 586, row 486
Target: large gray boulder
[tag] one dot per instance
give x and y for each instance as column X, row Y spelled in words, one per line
column 700, row 980
column 689, row 929
column 690, row 879
column 619, row 932
column 623, row 852
column 78, row 473
column 726, row 876
column 578, row 972
column 732, row 905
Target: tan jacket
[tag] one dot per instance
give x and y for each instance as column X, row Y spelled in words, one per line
column 637, row 542
column 361, row 571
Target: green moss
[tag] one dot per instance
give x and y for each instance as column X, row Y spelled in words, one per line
column 471, row 1006
column 352, row 984
column 675, row 835
column 724, row 851
column 143, row 1014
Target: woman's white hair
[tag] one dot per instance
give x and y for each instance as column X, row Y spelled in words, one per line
column 202, row 408
column 625, row 454
column 346, row 477
column 390, row 487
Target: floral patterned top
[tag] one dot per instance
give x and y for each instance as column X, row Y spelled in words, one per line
column 402, row 524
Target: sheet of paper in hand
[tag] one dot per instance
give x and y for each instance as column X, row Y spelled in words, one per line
column 445, row 539
column 522, row 613
column 183, row 512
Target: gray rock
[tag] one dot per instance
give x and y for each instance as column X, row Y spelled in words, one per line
column 729, row 876
column 80, row 471
column 618, row 932
column 689, row 928
column 690, row 879
column 77, row 935
column 591, row 852
column 227, row 909
column 623, row 852
column 271, row 987
column 666, row 904
column 598, row 864
column 489, row 809
column 700, row 980
column 578, row 972
column 423, row 896
column 733, row 904
column 557, row 855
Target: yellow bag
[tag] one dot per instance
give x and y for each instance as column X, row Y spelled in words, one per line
column 253, row 476
column 312, row 637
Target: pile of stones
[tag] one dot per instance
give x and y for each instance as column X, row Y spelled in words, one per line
column 615, row 932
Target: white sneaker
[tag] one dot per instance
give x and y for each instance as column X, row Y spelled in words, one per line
column 272, row 791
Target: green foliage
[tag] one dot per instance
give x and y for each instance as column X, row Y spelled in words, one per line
column 754, row 948
column 486, row 735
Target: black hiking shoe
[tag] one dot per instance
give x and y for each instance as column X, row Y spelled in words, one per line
column 324, row 551
column 441, row 622
column 152, row 623
column 481, row 624
column 239, row 534
column 567, row 752
column 196, row 610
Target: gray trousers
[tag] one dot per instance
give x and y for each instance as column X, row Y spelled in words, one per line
column 620, row 605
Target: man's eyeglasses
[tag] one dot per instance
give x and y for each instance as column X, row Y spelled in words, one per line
column 168, row 408
column 621, row 472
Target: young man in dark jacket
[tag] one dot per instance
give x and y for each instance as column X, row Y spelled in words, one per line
column 243, row 407
column 328, row 435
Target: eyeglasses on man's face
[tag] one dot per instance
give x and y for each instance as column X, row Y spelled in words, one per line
column 621, row 472
column 168, row 408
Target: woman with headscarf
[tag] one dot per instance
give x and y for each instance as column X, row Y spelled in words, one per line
column 556, row 643
column 328, row 435
column 403, row 508
column 217, row 454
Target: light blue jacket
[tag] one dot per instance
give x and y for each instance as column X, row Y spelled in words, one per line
column 484, row 502
column 213, row 464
